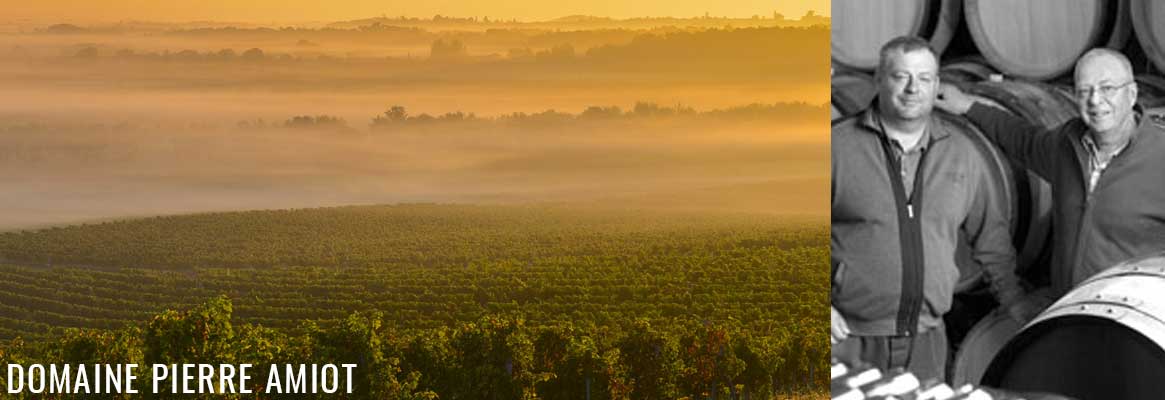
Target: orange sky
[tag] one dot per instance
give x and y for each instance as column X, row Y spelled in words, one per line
column 261, row 11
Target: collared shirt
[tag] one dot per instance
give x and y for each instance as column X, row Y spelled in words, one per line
column 908, row 160
column 1096, row 165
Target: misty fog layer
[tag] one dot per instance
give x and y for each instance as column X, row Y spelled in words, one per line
column 100, row 123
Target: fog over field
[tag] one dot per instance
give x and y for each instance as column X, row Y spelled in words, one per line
column 114, row 121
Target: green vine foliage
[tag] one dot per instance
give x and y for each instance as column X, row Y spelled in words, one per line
column 448, row 302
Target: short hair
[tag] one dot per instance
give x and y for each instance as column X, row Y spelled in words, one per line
column 904, row 44
column 1102, row 52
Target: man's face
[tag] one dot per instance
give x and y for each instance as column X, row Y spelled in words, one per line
column 907, row 84
column 1105, row 93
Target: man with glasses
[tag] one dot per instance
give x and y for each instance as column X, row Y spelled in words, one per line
column 1106, row 168
column 904, row 183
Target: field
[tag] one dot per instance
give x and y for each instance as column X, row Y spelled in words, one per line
column 467, row 208
column 424, row 265
column 439, row 271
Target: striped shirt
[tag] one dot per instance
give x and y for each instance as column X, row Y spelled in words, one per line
column 1097, row 164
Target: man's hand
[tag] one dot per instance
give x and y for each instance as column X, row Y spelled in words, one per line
column 1027, row 308
column 953, row 100
column 838, row 330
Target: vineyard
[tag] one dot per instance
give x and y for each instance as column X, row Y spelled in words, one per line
column 437, row 300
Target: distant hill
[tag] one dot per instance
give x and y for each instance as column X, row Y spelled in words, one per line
column 580, row 18
column 578, row 22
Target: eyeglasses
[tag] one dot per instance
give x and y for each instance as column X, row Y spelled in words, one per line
column 1106, row 91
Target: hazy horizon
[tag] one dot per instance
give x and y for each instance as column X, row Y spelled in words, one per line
column 301, row 11
column 167, row 119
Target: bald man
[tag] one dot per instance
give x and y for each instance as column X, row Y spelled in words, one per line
column 1106, row 168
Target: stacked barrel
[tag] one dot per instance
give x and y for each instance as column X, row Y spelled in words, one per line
column 1034, row 39
column 1017, row 55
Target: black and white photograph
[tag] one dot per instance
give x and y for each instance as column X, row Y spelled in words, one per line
column 997, row 199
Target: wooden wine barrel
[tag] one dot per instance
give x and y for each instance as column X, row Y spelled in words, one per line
column 967, row 70
column 1120, row 27
column 1105, row 339
column 981, row 345
column 1043, row 104
column 861, row 27
column 987, row 338
column 851, row 91
column 1150, row 91
column 1147, row 16
column 1041, row 39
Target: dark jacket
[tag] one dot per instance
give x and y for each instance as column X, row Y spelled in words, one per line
column 893, row 262
column 1123, row 217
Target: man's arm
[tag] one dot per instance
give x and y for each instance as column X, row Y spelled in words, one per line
column 1032, row 146
column 989, row 234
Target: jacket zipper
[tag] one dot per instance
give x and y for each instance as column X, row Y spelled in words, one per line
column 910, row 241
